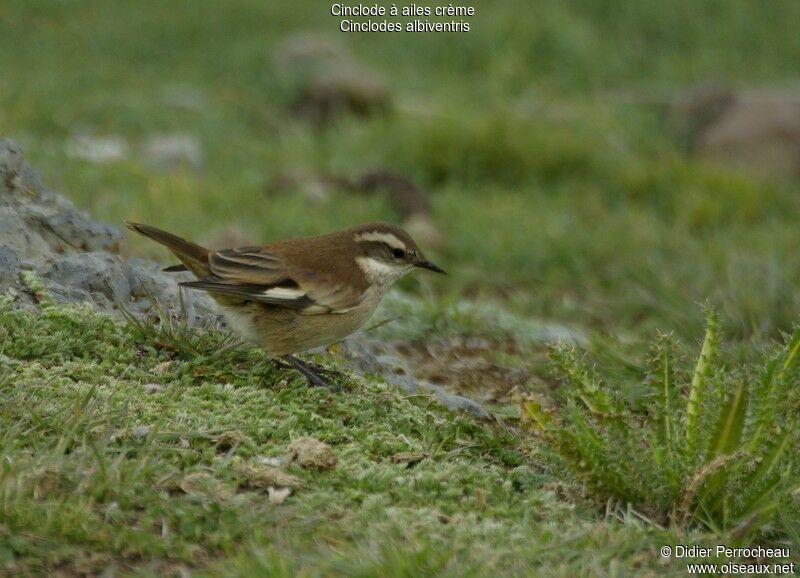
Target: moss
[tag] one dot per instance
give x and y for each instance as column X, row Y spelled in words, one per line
column 77, row 480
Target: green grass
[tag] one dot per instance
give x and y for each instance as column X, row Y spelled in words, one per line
column 597, row 217
column 81, row 489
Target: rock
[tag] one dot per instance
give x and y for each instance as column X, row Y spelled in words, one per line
column 77, row 231
column 151, row 388
column 325, row 81
column 66, row 294
column 755, row 131
column 311, row 453
column 406, row 197
column 368, row 355
column 315, row 188
column 140, row 432
column 409, row 459
column 169, row 152
column 205, row 485
column 229, row 440
column 9, row 265
column 254, row 475
column 18, row 236
column 409, row 201
column 336, row 93
column 274, row 461
column 694, row 110
column 77, row 257
column 758, row 133
column 96, row 150
column 278, row 495
column 422, row 228
column 94, row 272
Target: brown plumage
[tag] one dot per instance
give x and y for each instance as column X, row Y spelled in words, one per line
column 299, row 293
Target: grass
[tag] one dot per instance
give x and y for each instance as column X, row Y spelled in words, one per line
column 597, row 216
column 85, row 487
column 567, row 204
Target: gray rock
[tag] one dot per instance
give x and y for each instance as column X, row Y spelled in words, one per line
column 168, row 152
column 759, row 133
column 755, row 131
column 9, row 265
column 10, row 164
column 99, row 273
column 153, row 289
column 45, row 233
column 67, row 294
column 325, row 81
column 454, row 402
column 96, row 149
column 20, row 237
column 153, row 387
column 368, row 355
column 75, row 229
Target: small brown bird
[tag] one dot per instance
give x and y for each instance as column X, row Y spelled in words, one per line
column 299, row 293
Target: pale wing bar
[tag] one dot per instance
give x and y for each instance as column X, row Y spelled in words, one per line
column 287, row 296
column 252, row 274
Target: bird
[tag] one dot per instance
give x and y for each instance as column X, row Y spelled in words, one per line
column 300, row 293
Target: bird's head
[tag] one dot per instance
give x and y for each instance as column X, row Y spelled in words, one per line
column 385, row 253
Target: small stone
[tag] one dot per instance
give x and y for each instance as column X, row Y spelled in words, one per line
column 140, row 432
column 162, row 367
column 205, row 485
column 410, row 459
column 311, row 453
column 153, row 387
column 278, row 495
column 168, row 152
column 96, row 150
column 327, row 81
column 230, row 440
column 254, row 475
column 274, row 461
column 46, row 481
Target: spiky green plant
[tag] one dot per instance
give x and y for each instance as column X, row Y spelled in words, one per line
column 713, row 445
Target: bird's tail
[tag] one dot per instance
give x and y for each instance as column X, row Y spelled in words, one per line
column 192, row 255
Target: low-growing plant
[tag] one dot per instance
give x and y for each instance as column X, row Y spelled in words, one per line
column 711, row 446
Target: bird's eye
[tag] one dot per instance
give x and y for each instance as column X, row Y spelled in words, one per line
column 398, row 253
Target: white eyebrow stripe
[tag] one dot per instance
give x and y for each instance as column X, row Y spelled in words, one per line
column 387, row 238
column 284, row 293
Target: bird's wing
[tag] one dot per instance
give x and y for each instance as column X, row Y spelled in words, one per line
column 257, row 274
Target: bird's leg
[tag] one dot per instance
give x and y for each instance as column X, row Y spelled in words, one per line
column 311, row 374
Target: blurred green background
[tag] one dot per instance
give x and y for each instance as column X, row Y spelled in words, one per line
column 544, row 140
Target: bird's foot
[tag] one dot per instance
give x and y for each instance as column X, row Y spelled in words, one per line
column 315, row 374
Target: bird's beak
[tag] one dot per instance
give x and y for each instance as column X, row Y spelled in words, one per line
column 430, row 266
